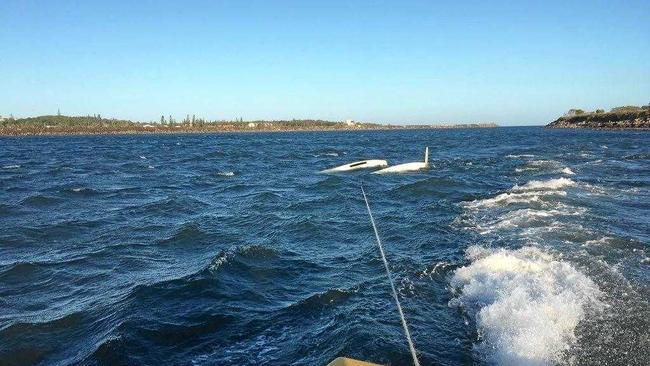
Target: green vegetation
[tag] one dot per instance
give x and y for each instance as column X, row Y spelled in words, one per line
column 59, row 124
column 627, row 117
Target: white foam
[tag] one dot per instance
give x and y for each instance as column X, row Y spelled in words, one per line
column 328, row 154
column 550, row 184
column 511, row 156
column 519, row 170
column 226, row 174
column 508, row 198
column 526, row 303
column 524, row 218
column 568, row 171
column 15, row 166
column 219, row 261
column 601, row 241
column 143, row 157
column 541, row 163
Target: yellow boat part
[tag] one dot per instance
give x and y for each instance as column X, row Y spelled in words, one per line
column 344, row 361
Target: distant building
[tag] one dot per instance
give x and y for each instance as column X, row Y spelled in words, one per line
column 349, row 122
column 252, row 125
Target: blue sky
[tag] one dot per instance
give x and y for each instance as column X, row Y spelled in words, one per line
column 393, row 62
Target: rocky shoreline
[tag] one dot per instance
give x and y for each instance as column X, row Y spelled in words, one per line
column 628, row 120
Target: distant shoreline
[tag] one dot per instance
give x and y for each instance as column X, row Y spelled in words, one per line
column 216, row 131
column 92, row 125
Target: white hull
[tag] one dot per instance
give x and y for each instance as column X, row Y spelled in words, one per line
column 403, row 168
column 358, row 165
column 408, row 167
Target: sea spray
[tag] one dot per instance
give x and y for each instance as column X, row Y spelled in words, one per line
column 526, row 304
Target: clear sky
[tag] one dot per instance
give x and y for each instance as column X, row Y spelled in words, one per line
column 512, row 62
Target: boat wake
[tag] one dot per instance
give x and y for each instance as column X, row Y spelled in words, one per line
column 538, row 290
column 526, row 304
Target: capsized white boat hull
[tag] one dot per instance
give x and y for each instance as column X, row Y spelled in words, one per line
column 408, row 167
column 403, row 168
column 358, row 165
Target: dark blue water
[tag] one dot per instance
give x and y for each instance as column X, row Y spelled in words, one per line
column 518, row 246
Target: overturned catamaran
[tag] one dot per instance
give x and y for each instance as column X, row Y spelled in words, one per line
column 407, row 167
column 357, row 165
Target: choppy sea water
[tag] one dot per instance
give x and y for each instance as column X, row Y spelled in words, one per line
column 519, row 246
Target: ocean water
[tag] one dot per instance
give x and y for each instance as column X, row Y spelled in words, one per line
column 520, row 246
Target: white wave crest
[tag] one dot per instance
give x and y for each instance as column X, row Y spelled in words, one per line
column 219, row 261
column 328, row 154
column 568, row 171
column 519, row 170
column 14, row 166
column 226, row 174
column 526, row 303
column 543, row 163
column 527, row 217
column 545, row 184
column 508, row 198
column 513, row 156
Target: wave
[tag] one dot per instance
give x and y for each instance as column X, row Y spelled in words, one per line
column 248, row 251
column 40, row 200
column 526, row 304
column 19, row 270
column 12, row 166
column 639, row 156
column 329, row 152
column 518, row 156
column 531, row 192
column 440, row 268
column 526, row 169
column 568, row 171
column 85, row 191
column 225, row 174
column 551, row 184
column 170, row 205
column 527, row 217
column 509, row 198
column 540, row 165
column 5, row 209
column 187, row 233
column 320, row 300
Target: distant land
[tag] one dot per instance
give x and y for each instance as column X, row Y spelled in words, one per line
column 83, row 125
column 628, row 117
